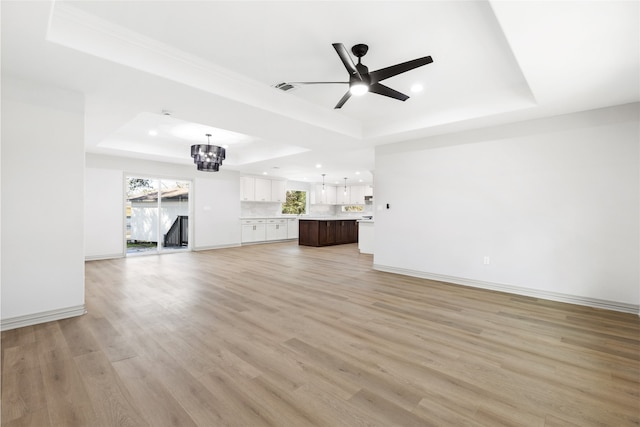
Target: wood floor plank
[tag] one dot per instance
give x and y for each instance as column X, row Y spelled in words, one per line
column 186, row 389
column 79, row 338
column 236, row 401
column 67, row 401
column 155, row 402
column 112, row 343
column 38, row 418
column 22, row 383
column 279, row 334
column 387, row 410
column 109, row 397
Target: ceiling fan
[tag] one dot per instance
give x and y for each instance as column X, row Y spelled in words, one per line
column 362, row 81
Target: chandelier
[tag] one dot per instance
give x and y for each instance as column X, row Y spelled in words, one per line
column 207, row 157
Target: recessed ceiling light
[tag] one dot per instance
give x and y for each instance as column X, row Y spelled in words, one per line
column 153, row 132
column 318, row 166
column 357, row 173
column 417, row 88
column 265, row 173
column 359, row 180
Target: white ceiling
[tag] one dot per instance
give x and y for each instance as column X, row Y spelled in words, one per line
column 213, row 65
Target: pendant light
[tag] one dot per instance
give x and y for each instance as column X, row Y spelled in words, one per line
column 208, row 157
column 345, row 186
column 323, row 175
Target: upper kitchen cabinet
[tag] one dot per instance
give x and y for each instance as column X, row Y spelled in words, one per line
column 247, row 188
column 263, row 190
column 368, row 190
column 278, row 191
column 343, row 196
column 253, row 189
column 356, row 194
column 324, row 195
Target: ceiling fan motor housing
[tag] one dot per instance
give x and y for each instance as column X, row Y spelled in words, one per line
column 360, row 50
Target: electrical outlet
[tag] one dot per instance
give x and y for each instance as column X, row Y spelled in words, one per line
column 487, row 260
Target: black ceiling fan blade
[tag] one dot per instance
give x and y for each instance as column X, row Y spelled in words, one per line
column 394, row 70
column 346, row 59
column 344, row 99
column 318, row 83
column 381, row 89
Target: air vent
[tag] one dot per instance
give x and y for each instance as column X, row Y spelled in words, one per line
column 285, row 87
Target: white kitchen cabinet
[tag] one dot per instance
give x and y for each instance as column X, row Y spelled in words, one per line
column 292, row 228
column 326, row 197
column 356, row 194
column 253, row 230
column 247, row 188
column 260, row 230
column 278, row 191
column 254, row 189
column 342, row 196
column 263, row 190
column 276, row 229
column 368, row 190
column 366, row 237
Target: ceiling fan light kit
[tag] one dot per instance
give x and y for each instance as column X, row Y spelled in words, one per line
column 358, row 89
column 362, row 81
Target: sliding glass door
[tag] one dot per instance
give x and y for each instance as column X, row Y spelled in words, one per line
column 157, row 215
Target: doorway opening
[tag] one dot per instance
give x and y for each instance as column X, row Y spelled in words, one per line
column 157, row 215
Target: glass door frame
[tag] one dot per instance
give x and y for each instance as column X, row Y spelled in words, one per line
column 159, row 248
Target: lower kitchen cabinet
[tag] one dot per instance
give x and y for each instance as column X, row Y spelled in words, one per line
column 292, row 228
column 327, row 232
column 277, row 229
column 346, row 231
column 260, row 230
column 253, row 230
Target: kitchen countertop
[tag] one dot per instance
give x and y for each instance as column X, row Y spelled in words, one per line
column 325, row 218
column 268, row 217
column 333, row 218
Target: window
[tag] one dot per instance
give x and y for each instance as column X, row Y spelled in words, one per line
column 296, row 202
column 353, row 208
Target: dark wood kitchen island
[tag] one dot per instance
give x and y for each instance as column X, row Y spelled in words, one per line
column 327, row 231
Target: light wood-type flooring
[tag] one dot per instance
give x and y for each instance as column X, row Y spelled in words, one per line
column 283, row 335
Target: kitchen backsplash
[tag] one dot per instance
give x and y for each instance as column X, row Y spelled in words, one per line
column 260, row 209
column 266, row 209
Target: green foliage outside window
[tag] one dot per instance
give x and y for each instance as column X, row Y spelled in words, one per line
column 353, row 208
column 296, row 203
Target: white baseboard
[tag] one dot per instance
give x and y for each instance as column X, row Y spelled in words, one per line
column 261, row 242
column 553, row 296
column 42, row 317
column 101, row 257
column 208, row 248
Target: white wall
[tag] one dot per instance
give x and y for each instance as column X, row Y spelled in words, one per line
column 217, row 211
column 215, row 220
column 553, row 202
column 104, row 213
column 42, row 203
